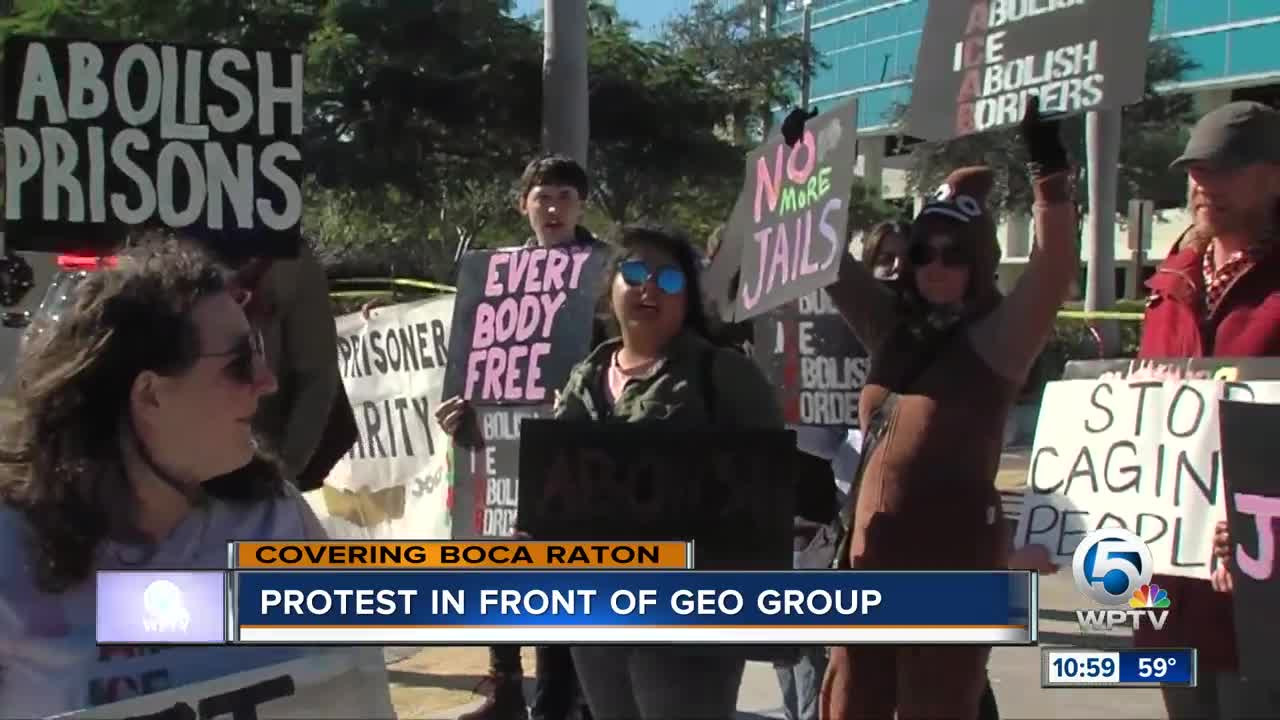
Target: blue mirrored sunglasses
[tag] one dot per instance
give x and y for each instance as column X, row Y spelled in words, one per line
column 669, row 279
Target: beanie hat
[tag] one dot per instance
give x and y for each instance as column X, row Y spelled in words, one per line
column 958, row 209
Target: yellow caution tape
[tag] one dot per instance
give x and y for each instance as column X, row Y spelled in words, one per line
column 401, row 282
column 1099, row 315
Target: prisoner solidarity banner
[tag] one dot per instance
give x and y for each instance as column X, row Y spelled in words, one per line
column 394, row 483
column 1137, row 448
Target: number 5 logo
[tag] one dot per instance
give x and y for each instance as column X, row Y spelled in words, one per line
column 1110, row 564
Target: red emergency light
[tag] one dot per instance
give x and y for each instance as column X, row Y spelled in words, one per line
column 85, row 262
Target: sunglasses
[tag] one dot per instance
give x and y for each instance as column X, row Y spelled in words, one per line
column 923, row 254
column 669, row 279
column 240, row 369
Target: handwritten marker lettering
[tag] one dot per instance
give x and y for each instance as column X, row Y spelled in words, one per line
column 524, row 293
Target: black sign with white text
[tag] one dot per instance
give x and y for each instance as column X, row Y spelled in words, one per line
column 102, row 138
column 813, row 358
column 980, row 60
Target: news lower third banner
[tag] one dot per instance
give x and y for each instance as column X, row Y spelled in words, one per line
column 432, row 607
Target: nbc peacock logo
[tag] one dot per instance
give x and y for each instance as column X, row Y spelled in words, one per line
column 1150, row 596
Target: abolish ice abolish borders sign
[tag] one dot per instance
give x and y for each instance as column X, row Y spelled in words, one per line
column 980, row 61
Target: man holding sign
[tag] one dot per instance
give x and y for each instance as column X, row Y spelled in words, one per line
column 553, row 191
column 1215, row 295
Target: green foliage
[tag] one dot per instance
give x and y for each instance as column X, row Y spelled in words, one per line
column 867, row 207
column 421, row 113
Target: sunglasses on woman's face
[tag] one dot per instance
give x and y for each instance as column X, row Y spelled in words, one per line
column 240, row 368
column 668, row 278
column 923, row 254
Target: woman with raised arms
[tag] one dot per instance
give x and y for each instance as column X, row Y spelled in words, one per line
column 946, row 368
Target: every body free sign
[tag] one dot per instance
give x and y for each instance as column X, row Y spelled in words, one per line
column 104, row 137
column 1138, row 451
column 814, row 360
column 793, row 225
column 522, row 320
column 393, row 483
column 980, row 60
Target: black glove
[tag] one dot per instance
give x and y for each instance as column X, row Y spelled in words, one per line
column 793, row 126
column 1043, row 142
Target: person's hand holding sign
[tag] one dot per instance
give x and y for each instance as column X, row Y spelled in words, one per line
column 458, row 420
column 1221, row 578
column 1043, row 140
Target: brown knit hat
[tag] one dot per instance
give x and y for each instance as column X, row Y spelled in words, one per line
column 959, row 209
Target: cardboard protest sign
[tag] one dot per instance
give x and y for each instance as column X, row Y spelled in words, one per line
column 486, row 479
column 1248, row 461
column 521, row 322
column 325, row 683
column 797, row 213
column 980, row 60
column 394, row 482
column 731, row 492
column 103, row 137
column 814, row 360
column 1137, row 451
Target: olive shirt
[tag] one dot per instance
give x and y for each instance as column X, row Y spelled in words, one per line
column 676, row 390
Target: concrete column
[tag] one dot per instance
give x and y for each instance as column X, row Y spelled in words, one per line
column 871, row 158
column 1102, row 139
column 1017, row 236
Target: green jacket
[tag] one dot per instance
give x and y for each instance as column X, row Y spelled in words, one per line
column 678, row 391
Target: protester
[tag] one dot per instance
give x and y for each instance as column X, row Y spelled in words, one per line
column 143, row 391
column 1214, row 296
column 946, row 368
column 552, row 195
column 309, row 421
column 663, row 369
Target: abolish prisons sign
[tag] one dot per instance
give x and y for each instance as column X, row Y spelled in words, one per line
column 981, row 60
column 101, row 137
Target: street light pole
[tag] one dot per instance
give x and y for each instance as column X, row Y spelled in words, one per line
column 806, row 33
column 565, row 114
column 1102, row 142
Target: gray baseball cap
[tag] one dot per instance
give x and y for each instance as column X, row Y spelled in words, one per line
column 1233, row 136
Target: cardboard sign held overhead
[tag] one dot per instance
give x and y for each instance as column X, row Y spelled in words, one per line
column 791, row 222
column 1248, row 461
column 105, row 137
column 522, row 319
column 980, row 60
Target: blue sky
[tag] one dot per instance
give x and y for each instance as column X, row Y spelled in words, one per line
column 648, row 14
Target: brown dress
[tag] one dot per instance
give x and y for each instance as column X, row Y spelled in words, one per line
column 927, row 499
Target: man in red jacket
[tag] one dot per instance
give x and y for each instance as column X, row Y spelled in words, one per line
column 1218, row 294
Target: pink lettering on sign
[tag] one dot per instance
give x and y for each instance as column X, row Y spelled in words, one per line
column 785, row 255
column 770, row 183
column 525, row 292
column 1264, row 510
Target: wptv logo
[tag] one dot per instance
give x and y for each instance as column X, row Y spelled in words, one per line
column 1113, row 568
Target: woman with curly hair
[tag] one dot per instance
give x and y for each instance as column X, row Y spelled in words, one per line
column 141, row 394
